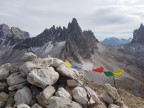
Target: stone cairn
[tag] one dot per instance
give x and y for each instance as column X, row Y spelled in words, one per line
column 48, row 83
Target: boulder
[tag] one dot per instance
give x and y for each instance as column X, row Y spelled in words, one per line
column 36, row 106
column 23, row 96
column 44, row 62
column 67, row 71
column 7, row 66
column 15, row 78
column 44, row 96
column 2, row 104
column 56, row 62
column 59, row 102
column 113, row 106
column 112, row 92
column 73, row 83
column 4, row 73
column 43, row 77
column 93, row 95
column 23, row 106
column 9, row 103
column 63, row 93
column 80, row 95
column 2, row 85
column 3, row 96
column 26, row 68
column 121, row 104
column 106, row 98
column 17, row 86
column 28, row 57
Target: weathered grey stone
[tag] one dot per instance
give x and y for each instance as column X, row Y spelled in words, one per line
column 59, row 102
column 80, row 95
column 43, row 77
column 44, row 62
column 4, row 73
column 112, row 92
column 56, row 62
column 44, row 96
column 3, row 96
column 36, row 106
column 63, row 93
column 23, row 106
column 2, row 86
column 10, row 102
column 107, row 98
column 17, row 86
column 15, row 79
column 2, row 104
column 121, row 104
column 113, row 106
column 93, row 95
column 7, row 66
column 67, row 71
column 23, row 96
column 28, row 57
column 26, row 68
column 72, row 83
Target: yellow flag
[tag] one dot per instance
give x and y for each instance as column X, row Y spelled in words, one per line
column 118, row 72
column 68, row 63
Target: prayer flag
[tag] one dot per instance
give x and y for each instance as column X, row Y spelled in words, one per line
column 68, row 64
column 118, row 72
column 76, row 67
column 100, row 69
column 109, row 74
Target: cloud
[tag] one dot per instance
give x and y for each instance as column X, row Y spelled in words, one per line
column 105, row 17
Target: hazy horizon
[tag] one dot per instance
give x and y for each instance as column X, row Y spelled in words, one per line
column 106, row 18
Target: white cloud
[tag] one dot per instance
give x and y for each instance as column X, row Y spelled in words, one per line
column 105, row 17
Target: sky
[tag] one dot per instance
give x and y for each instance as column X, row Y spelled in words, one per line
column 106, row 18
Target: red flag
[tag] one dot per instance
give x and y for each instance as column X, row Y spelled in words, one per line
column 100, row 69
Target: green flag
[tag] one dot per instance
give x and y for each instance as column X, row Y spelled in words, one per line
column 109, row 74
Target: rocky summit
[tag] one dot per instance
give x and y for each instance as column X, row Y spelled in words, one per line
column 50, row 83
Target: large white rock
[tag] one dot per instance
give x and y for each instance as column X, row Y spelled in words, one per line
column 67, row 71
column 59, row 102
column 7, row 66
column 80, row 95
column 44, row 62
column 26, row 68
column 112, row 92
column 107, row 98
column 15, row 79
column 63, row 93
column 23, row 106
column 4, row 73
column 93, row 95
column 43, row 77
column 36, row 106
column 44, row 96
column 57, row 62
column 113, row 106
column 23, row 96
column 28, row 57
column 3, row 96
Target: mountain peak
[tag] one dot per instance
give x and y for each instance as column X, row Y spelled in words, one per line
column 138, row 35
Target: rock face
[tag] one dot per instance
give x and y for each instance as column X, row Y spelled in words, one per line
column 138, row 35
column 43, row 77
column 23, row 96
column 44, row 96
column 11, row 35
column 59, row 102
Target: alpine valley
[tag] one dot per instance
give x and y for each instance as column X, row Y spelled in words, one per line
column 83, row 49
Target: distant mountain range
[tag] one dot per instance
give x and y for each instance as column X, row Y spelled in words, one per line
column 116, row 41
column 81, row 48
